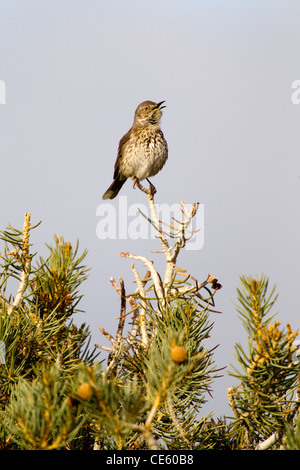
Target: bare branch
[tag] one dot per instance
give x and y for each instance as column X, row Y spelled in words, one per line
column 171, row 253
column 26, row 259
column 155, row 276
column 270, row 441
column 107, row 335
column 123, row 312
column 143, row 308
column 104, row 348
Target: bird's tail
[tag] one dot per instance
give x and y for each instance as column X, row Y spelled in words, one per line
column 114, row 188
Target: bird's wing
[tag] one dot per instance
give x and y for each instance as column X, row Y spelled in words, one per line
column 122, row 143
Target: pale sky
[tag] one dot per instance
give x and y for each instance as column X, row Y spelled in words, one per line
column 75, row 72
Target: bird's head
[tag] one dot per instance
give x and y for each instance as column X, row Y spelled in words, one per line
column 148, row 112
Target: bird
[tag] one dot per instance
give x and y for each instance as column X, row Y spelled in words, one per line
column 142, row 151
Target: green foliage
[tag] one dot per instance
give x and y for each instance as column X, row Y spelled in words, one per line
column 37, row 332
column 39, row 415
column 178, row 386
column 113, row 407
column 154, row 389
column 55, row 395
column 292, row 441
column 58, row 278
column 264, row 401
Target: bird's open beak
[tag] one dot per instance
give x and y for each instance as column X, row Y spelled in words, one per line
column 159, row 105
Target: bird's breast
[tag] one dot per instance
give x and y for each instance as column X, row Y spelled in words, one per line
column 143, row 155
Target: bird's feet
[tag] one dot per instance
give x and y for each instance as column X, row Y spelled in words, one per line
column 152, row 189
column 135, row 181
column 150, row 192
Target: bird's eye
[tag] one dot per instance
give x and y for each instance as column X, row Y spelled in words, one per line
column 146, row 108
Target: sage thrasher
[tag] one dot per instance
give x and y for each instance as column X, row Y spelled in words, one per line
column 143, row 151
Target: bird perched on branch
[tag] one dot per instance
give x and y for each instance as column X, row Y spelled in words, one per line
column 143, row 151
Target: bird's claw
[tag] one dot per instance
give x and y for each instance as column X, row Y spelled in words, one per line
column 150, row 192
column 152, row 188
column 135, row 181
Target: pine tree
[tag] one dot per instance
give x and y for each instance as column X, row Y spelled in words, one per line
column 267, row 400
column 42, row 348
column 160, row 374
column 56, row 392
